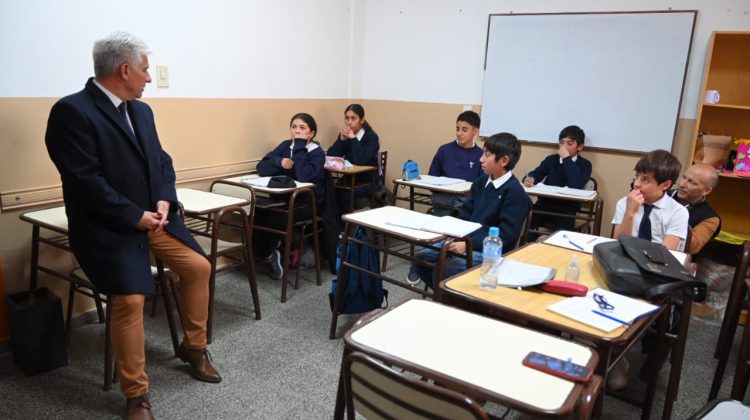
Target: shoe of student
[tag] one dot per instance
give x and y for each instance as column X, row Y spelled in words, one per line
column 413, row 278
column 308, row 258
column 617, row 378
column 139, row 408
column 200, row 364
column 277, row 270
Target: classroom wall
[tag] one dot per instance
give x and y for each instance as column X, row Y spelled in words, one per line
column 240, row 69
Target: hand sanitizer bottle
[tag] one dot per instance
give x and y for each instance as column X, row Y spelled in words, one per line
column 573, row 271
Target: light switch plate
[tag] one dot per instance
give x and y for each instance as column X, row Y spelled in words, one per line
column 162, row 75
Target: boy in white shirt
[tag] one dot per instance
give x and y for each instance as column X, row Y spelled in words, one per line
column 666, row 220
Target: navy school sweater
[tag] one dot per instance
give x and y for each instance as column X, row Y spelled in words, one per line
column 506, row 207
column 308, row 166
column 359, row 152
column 566, row 174
column 454, row 161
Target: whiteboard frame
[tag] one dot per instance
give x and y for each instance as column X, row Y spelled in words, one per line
column 686, row 66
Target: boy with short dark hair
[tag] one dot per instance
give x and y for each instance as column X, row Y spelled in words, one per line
column 647, row 211
column 566, row 168
column 457, row 159
column 497, row 199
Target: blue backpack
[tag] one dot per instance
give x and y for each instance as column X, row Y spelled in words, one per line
column 363, row 292
column 410, row 170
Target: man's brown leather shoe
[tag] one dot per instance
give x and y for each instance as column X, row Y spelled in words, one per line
column 200, row 364
column 139, row 408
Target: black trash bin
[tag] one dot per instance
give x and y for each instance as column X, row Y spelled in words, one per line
column 37, row 332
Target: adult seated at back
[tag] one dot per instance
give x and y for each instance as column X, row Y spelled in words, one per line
column 647, row 211
column 566, row 168
column 457, row 159
column 358, row 143
column 704, row 222
column 497, row 199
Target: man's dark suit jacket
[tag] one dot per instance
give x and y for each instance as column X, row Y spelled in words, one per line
column 109, row 178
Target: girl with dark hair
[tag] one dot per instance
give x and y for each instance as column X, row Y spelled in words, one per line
column 358, row 143
column 302, row 159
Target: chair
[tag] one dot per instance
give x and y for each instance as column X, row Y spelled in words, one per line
column 224, row 254
column 79, row 283
column 729, row 324
column 313, row 223
column 589, row 209
column 377, row 391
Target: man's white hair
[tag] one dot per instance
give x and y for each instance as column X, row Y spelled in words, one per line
column 116, row 49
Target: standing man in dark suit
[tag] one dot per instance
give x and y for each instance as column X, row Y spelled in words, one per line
column 120, row 199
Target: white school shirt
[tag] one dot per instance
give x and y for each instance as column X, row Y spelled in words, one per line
column 668, row 217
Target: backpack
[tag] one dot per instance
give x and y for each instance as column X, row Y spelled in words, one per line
column 410, row 170
column 363, row 292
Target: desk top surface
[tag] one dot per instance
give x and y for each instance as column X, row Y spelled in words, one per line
column 462, row 187
column 378, row 219
column 534, row 302
column 473, row 349
column 240, row 179
column 54, row 217
column 353, row 170
column 547, row 191
column 202, row 202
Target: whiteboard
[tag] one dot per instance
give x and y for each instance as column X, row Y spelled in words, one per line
column 619, row 76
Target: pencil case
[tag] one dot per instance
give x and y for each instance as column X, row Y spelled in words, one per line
column 565, row 288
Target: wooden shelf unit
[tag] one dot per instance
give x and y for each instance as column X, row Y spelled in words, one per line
column 727, row 70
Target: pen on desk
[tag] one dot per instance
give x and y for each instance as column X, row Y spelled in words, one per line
column 612, row 318
column 592, row 240
column 575, row 244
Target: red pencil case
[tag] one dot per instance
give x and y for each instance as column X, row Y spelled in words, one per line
column 565, row 288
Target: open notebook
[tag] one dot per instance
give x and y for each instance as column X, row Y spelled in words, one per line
column 445, row 225
column 622, row 310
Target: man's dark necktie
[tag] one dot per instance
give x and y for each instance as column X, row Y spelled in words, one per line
column 644, row 230
column 123, row 108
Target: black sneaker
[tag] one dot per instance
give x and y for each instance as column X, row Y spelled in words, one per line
column 412, row 278
column 277, row 270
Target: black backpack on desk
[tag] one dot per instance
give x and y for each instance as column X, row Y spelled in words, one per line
column 638, row 267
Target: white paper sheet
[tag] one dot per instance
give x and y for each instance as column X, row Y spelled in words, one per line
column 576, row 241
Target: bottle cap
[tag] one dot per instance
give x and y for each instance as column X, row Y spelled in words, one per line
column 494, row 231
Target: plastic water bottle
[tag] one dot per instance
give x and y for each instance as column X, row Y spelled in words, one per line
column 492, row 249
column 573, row 271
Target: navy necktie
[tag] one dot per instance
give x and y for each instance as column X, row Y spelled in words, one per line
column 123, row 108
column 644, row 230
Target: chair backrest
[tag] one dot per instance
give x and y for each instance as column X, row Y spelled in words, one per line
column 234, row 189
column 377, row 391
column 382, row 165
column 591, row 185
column 525, row 233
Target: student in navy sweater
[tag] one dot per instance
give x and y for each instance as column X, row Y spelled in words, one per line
column 457, row 159
column 358, row 143
column 300, row 158
column 566, row 168
column 497, row 199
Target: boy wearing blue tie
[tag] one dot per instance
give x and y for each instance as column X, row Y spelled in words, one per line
column 647, row 211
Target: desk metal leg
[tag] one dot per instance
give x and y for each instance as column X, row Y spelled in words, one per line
column 34, row 274
column 287, row 250
column 340, row 406
column 678, row 354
